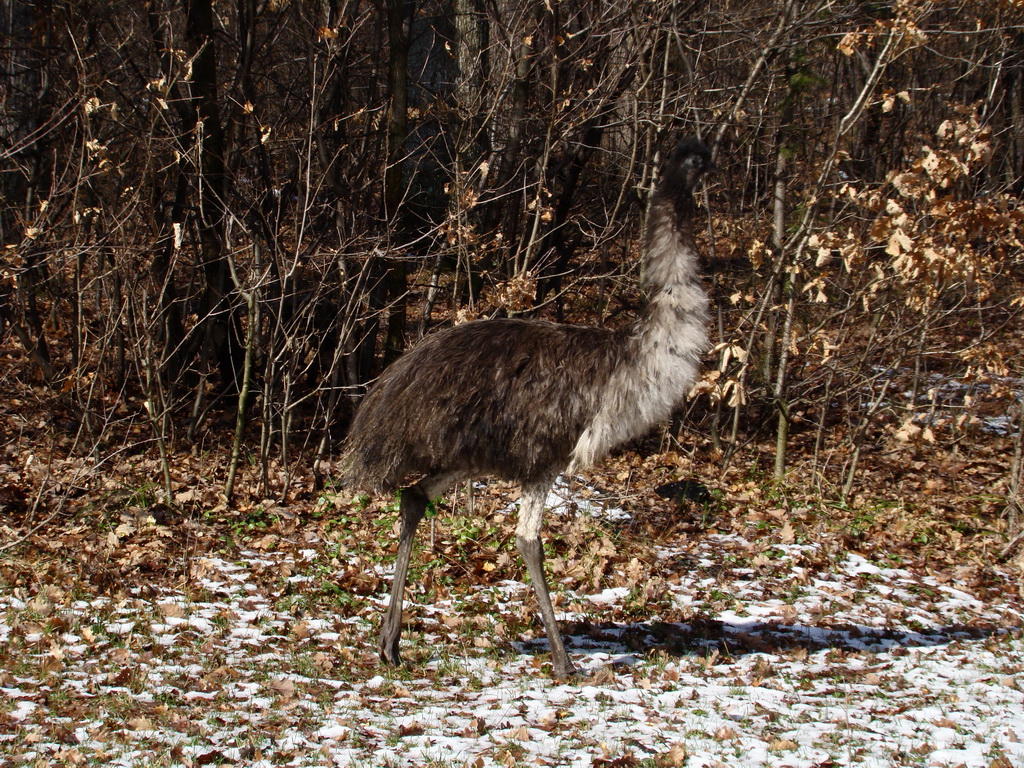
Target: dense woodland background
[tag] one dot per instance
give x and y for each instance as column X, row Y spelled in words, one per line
column 220, row 220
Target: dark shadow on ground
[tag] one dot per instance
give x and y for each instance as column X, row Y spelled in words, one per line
column 730, row 639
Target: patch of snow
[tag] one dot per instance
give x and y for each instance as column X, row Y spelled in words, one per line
column 609, row 596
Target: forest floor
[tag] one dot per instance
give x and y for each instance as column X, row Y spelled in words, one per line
column 759, row 626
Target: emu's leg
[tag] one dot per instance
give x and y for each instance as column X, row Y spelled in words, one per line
column 413, row 505
column 531, row 513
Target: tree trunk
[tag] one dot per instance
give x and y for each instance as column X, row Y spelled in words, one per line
column 395, row 187
column 218, row 320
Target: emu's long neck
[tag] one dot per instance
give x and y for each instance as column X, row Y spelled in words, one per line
column 677, row 303
column 663, row 349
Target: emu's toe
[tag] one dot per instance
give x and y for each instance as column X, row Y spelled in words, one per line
column 565, row 671
column 389, row 652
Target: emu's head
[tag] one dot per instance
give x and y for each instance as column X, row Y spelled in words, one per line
column 689, row 161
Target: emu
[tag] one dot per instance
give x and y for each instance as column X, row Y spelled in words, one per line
column 524, row 400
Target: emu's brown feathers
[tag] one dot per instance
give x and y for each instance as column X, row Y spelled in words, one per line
column 507, row 398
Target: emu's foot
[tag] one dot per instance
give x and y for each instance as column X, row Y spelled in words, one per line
column 570, row 674
column 564, row 670
column 389, row 651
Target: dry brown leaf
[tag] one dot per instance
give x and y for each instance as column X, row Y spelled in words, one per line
column 175, row 610
column 787, row 535
column 674, row 758
column 522, row 733
column 140, row 724
column 282, row 688
column 415, row 728
column 477, row 727
column 622, row 761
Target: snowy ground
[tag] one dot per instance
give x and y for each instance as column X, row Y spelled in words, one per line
column 786, row 659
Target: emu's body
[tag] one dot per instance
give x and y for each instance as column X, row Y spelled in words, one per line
column 524, row 400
